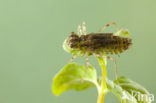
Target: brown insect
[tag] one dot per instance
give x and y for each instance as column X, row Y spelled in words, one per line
column 99, row 44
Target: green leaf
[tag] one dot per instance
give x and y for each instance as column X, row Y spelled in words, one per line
column 123, row 95
column 140, row 93
column 128, row 91
column 131, row 85
column 74, row 76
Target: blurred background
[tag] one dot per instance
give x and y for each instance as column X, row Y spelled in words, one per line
column 31, row 53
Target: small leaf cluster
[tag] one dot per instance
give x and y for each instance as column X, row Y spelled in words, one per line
column 72, row 77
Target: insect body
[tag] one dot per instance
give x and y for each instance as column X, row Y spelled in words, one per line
column 97, row 44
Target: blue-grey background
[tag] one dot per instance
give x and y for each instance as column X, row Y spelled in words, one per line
column 31, row 37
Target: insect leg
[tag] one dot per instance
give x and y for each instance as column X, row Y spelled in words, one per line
column 79, row 30
column 107, row 25
column 116, row 73
column 84, row 28
column 87, row 63
column 73, row 57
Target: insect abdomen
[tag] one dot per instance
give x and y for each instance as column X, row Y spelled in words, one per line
column 117, row 45
column 104, row 43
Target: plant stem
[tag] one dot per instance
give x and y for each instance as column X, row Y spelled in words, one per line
column 103, row 90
